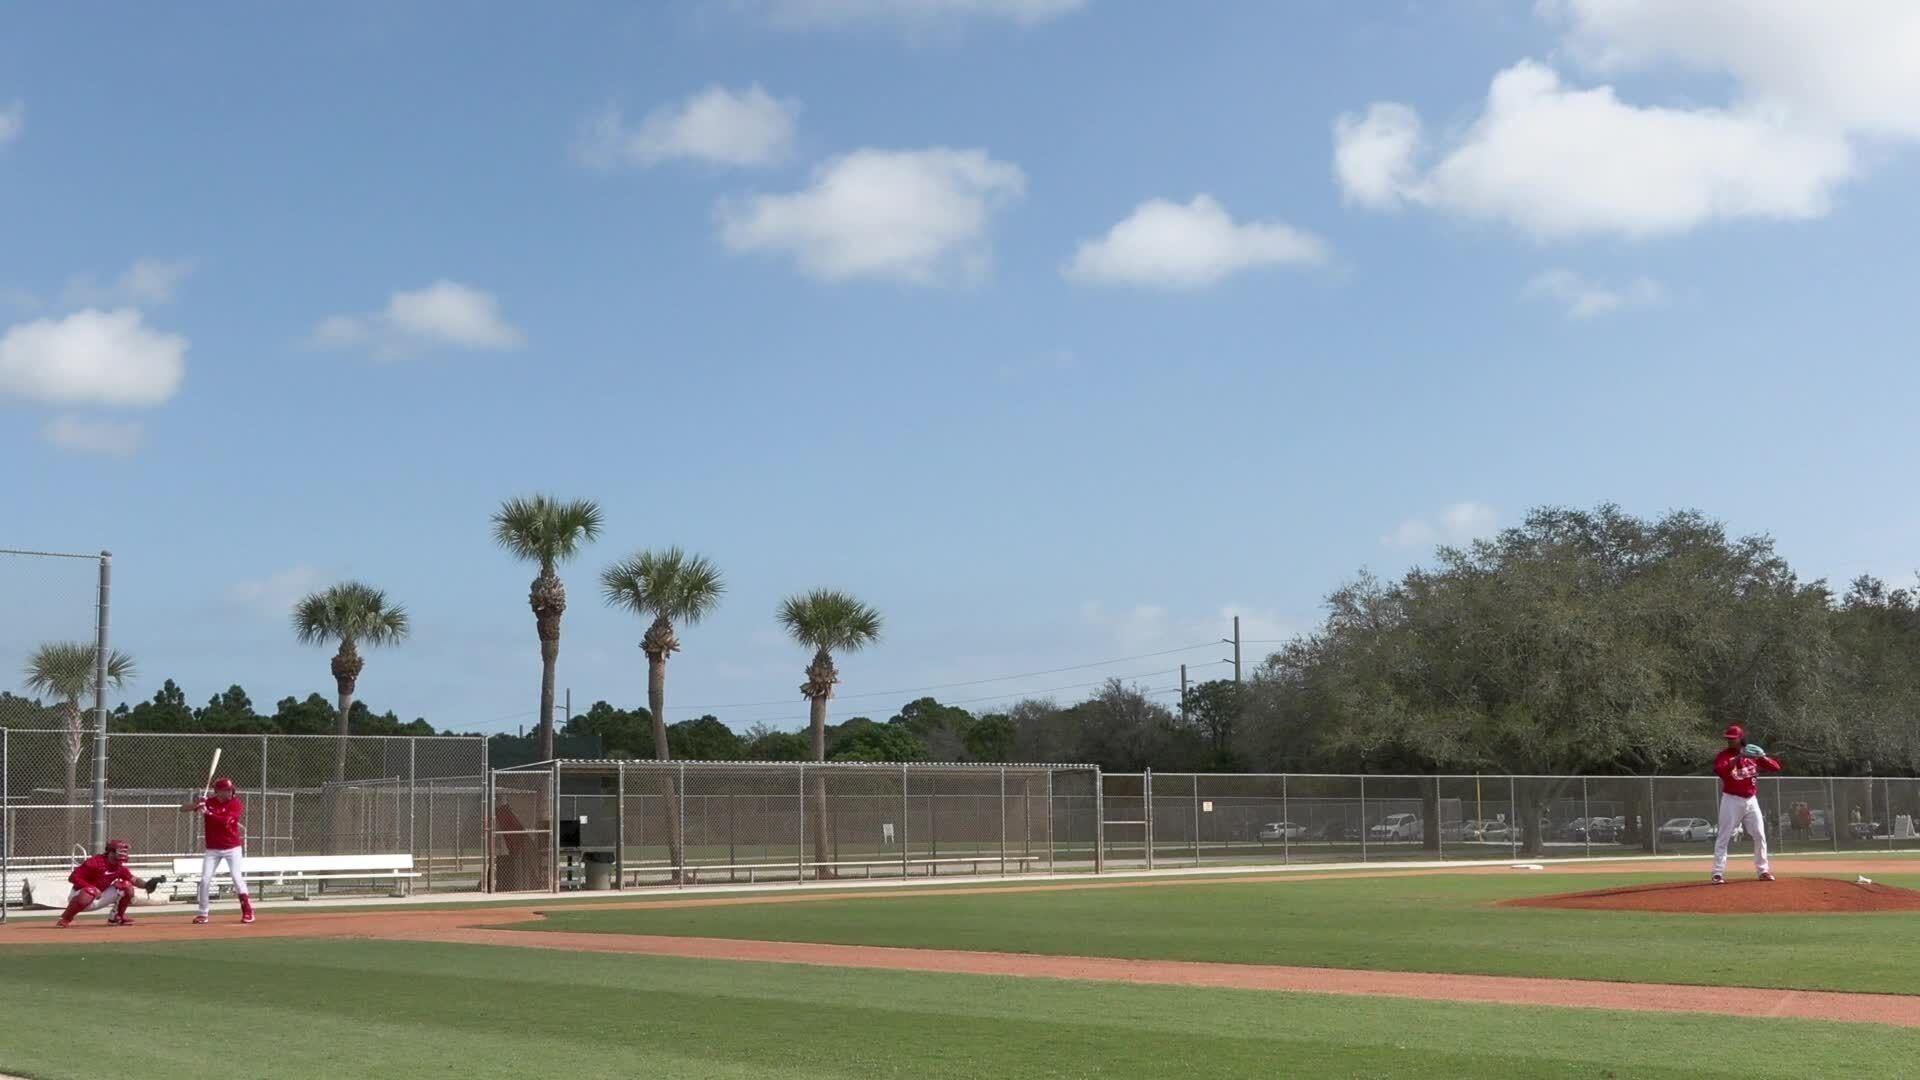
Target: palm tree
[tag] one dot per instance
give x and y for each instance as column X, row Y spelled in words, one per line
column 354, row 615
column 672, row 587
column 69, row 671
column 826, row 621
column 541, row 529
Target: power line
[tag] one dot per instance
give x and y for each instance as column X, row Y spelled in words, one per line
column 952, row 685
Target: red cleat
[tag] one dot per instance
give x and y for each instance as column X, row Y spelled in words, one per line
column 201, row 920
column 63, row 924
column 246, row 916
column 1766, row 877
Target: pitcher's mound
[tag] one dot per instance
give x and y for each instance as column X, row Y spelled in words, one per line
column 1738, row 897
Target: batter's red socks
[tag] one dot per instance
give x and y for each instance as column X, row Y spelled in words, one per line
column 246, row 908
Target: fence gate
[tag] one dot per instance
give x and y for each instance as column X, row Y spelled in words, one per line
column 523, row 844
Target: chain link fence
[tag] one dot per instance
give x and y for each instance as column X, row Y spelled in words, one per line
column 1154, row 820
column 607, row 824
column 420, row 796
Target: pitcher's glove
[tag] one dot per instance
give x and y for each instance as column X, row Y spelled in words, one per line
column 155, row 882
column 1753, row 750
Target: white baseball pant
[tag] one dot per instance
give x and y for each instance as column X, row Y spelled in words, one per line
column 1738, row 812
column 107, row 899
column 210, row 864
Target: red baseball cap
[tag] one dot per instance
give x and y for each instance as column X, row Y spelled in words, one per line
column 1735, row 732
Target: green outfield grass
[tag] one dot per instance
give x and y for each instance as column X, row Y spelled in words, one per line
column 1442, row 923
column 284, row 1008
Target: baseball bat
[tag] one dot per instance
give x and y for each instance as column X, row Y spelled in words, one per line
column 211, row 769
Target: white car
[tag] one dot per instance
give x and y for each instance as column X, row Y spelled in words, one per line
column 1688, row 828
column 1397, row 827
column 1282, row 830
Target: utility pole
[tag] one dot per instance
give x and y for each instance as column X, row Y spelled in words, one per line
column 1235, row 642
column 1183, row 694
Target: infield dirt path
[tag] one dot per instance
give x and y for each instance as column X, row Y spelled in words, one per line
column 484, row 926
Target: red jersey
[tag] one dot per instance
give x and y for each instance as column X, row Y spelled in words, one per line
column 223, row 823
column 1737, row 772
column 96, row 873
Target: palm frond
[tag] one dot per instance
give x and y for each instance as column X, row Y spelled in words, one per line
column 831, row 620
column 67, row 669
column 668, row 584
column 351, row 611
column 542, row 529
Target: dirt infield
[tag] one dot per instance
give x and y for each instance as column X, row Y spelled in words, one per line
column 485, row 926
column 1789, row 895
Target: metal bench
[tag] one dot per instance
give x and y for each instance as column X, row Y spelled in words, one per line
column 306, row 871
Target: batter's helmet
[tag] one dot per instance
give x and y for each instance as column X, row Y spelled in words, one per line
column 223, row 784
column 1735, row 732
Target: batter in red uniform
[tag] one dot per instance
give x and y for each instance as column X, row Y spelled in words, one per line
column 225, row 836
column 103, row 881
column 1738, row 768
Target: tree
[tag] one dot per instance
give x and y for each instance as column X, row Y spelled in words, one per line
column 992, row 738
column 861, row 739
column 826, row 621
column 623, row 733
column 352, row 614
column 69, row 671
column 941, row 730
column 1213, row 710
column 547, row 532
column 671, row 588
column 704, row 738
column 763, row 743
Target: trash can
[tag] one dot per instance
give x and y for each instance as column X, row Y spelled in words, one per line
column 599, row 870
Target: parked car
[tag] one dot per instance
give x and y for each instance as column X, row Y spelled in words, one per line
column 1336, row 830
column 1688, row 828
column 1594, row 830
column 1403, row 827
column 1283, row 830
column 1488, row 832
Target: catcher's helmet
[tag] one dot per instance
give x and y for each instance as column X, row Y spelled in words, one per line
column 119, row 847
column 223, row 784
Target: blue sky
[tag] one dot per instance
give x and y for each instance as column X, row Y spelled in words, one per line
column 1057, row 330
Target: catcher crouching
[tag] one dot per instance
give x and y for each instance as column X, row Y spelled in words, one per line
column 105, row 881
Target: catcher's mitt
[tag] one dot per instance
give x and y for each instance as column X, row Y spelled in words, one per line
column 155, row 882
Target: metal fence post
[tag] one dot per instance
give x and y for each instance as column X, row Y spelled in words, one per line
column 1003, row 821
column 800, row 850
column 261, row 818
column 6, row 822
column 1286, row 822
column 1513, row 812
column 486, row 819
column 1099, row 821
column 620, row 825
column 680, row 865
column 1886, row 809
column 1146, row 806
column 1586, row 818
column 413, row 782
column 1833, row 817
column 1051, row 820
column 100, row 658
column 553, row 819
column 1196, row 819
column 1363, row 817
column 906, row 815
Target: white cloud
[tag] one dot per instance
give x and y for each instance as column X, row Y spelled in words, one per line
column 13, row 121
column 1584, row 298
column 1851, row 66
column 1557, row 161
column 107, row 438
column 800, row 13
column 275, row 594
column 912, row 215
column 147, row 283
column 1168, row 245
column 1455, row 524
column 444, row 314
column 1808, row 83
column 1148, row 628
column 716, row 126
column 92, row 357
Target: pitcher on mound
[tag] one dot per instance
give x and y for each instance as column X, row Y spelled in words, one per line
column 1738, row 766
column 225, row 836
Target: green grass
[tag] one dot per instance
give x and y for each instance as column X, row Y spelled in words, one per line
column 1442, row 923
column 285, row 1008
